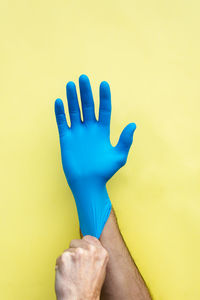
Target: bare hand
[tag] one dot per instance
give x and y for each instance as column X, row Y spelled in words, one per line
column 80, row 270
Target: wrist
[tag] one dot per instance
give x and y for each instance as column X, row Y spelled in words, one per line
column 86, row 183
column 93, row 205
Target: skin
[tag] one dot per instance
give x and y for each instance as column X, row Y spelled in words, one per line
column 123, row 279
column 81, row 270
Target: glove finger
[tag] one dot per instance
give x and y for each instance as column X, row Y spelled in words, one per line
column 86, row 99
column 73, row 106
column 60, row 117
column 105, row 104
column 126, row 138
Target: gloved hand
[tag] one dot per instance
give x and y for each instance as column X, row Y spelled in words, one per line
column 88, row 158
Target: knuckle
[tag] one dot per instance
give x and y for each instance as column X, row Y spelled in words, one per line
column 79, row 252
column 64, row 257
column 92, row 249
column 104, row 253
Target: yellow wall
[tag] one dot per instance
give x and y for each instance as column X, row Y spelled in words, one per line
column 149, row 53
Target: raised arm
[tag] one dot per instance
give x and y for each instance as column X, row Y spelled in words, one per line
column 89, row 160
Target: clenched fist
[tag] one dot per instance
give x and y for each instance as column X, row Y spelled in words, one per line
column 81, row 270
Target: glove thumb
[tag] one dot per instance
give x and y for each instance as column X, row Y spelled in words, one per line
column 126, row 138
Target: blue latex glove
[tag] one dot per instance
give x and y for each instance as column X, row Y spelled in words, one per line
column 89, row 160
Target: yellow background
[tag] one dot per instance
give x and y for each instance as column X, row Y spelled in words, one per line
column 149, row 53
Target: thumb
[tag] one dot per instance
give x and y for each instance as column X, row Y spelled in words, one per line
column 126, row 138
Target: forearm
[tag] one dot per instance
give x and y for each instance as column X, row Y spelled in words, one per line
column 123, row 280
